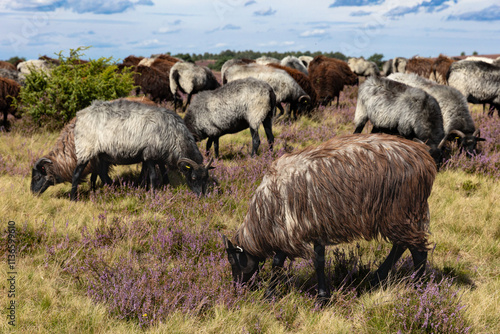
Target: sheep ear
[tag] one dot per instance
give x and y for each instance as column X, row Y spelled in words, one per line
column 480, row 139
column 227, row 243
column 40, row 165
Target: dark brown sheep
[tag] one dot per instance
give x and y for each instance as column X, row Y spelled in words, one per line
column 9, row 89
column 328, row 82
column 348, row 76
column 132, row 60
column 152, row 82
column 368, row 186
column 168, row 57
column 303, row 81
column 163, row 65
column 7, row 65
column 419, row 66
column 440, row 68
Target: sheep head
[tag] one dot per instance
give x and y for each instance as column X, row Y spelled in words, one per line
column 243, row 265
column 196, row 174
column 466, row 142
column 41, row 177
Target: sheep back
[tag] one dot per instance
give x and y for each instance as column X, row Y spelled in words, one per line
column 348, row 188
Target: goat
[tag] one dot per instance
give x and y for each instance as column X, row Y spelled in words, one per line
column 348, row 188
column 240, row 104
column 127, row 132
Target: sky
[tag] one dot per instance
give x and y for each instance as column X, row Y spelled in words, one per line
column 118, row 28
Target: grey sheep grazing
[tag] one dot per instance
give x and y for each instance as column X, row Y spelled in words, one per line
column 396, row 108
column 399, row 65
column 127, row 132
column 478, row 81
column 231, row 62
column 287, row 90
column 294, row 62
column 368, row 186
column 190, row 79
column 264, row 60
column 457, row 120
column 363, row 67
column 240, row 104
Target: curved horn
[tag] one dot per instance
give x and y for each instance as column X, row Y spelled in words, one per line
column 305, row 99
column 441, row 144
column 209, row 164
column 187, row 160
column 477, row 133
column 416, row 140
column 39, row 161
column 456, row 132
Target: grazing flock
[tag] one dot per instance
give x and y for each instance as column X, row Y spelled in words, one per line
column 415, row 107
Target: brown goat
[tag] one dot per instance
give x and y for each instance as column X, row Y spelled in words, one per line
column 303, row 81
column 419, row 66
column 7, row 65
column 9, row 89
column 365, row 186
column 440, row 68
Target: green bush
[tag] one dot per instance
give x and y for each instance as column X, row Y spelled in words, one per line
column 51, row 100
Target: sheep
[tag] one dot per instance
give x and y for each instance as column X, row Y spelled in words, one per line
column 478, row 81
column 190, row 79
column 477, row 58
column 370, row 186
column 396, row 108
column 439, row 68
column 305, row 83
column 231, row 62
column 306, row 60
column 347, row 76
column 454, row 109
column 287, row 90
column 132, row 60
column 399, row 64
column 240, row 104
column 387, row 67
column 295, row 63
column 152, row 82
column 127, row 132
column 9, row 89
column 7, row 65
column 363, row 67
column 328, row 82
column 13, row 75
column 26, row 67
column 167, row 57
column 420, row 66
column 59, row 164
column 264, row 60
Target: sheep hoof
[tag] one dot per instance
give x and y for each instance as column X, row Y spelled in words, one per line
column 323, row 298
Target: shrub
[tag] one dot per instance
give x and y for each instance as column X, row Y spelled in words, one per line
column 53, row 99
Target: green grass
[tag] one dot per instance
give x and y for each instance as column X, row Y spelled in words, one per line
column 465, row 226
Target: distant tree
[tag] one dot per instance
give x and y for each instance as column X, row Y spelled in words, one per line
column 474, row 53
column 377, row 59
column 14, row 60
column 462, row 53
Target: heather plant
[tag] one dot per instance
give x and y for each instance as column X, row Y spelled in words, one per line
column 53, row 99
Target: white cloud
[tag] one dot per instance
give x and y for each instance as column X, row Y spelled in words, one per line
column 313, row 33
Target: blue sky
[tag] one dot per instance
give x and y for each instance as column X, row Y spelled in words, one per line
column 118, row 28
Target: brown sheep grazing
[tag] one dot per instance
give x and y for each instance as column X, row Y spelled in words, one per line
column 132, row 60
column 9, row 89
column 168, row 57
column 367, row 186
column 7, row 65
column 349, row 78
column 152, row 82
column 304, row 82
column 328, row 82
column 419, row 66
column 440, row 68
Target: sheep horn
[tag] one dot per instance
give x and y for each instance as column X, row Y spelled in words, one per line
column 188, row 161
column 457, row 132
column 477, row 133
column 416, row 140
column 40, row 161
column 441, row 144
column 304, row 99
column 210, row 162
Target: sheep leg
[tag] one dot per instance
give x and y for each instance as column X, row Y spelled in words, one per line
column 419, row 261
column 255, row 140
column 76, row 178
column 319, row 265
column 209, row 145
column 163, row 172
column 280, row 107
column 359, row 128
column 276, row 274
column 383, row 271
column 216, row 147
column 151, row 173
column 188, row 101
column 103, row 174
column 268, row 127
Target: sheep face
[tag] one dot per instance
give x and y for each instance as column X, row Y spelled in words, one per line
column 243, row 265
column 196, row 174
column 467, row 142
column 41, row 178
